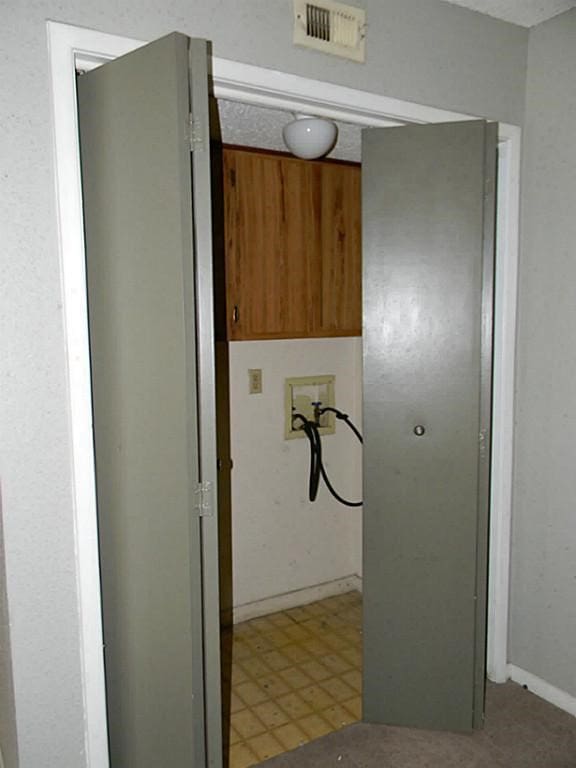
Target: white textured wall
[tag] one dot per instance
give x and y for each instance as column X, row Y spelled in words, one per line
column 543, row 597
column 420, row 50
column 281, row 541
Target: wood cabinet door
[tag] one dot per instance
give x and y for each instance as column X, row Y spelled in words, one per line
column 293, row 246
column 272, row 207
column 339, row 309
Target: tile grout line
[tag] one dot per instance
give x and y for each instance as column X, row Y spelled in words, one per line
column 261, row 630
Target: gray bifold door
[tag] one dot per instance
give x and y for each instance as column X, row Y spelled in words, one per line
column 149, row 277
column 428, row 252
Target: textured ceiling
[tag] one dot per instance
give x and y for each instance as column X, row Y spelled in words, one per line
column 526, row 13
column 259, row 127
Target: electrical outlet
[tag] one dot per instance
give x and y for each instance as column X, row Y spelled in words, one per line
column 302, row 395
column 255, row 381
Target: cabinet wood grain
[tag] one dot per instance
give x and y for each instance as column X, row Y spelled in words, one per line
column 340, row 251
column 292, row 246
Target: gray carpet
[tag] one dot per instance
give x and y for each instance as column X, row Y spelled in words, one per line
column 521, row 731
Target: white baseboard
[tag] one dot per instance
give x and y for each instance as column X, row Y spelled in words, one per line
column 294, row 599
column 545, row 690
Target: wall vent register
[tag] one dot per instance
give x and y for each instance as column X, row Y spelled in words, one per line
column 330, row 27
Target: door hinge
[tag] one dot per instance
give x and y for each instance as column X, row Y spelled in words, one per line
column 195, row 134
column 203, row 499
column 482, row 443
column 489, row 186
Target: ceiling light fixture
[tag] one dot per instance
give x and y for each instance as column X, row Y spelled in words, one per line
column 310, row 137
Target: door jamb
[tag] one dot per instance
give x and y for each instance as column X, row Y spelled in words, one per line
column 75, row 48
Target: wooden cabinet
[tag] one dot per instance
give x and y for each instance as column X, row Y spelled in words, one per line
column 340, row 251
column 293, row 263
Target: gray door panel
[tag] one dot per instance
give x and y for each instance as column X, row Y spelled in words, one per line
column 428, row 239
column 141, row 267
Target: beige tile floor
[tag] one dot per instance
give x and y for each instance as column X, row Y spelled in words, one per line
column 292, row 677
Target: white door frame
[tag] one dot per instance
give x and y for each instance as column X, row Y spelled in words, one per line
column 74, row 48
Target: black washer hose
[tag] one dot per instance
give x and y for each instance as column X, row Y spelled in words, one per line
column 343, row 417
column 317, row 469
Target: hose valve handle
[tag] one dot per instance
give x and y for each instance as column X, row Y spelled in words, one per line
column 317, row 412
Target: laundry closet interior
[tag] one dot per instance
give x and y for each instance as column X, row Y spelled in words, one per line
column 292, row 594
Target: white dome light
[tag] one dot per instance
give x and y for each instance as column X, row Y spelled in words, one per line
column 310, row 137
